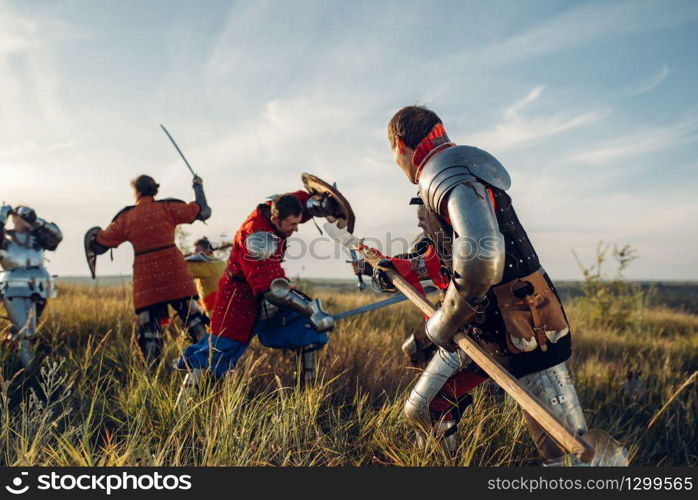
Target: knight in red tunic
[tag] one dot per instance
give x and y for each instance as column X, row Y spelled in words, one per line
column 160, row 273
column 255, row 298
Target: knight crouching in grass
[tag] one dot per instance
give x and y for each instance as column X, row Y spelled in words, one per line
column 160, row 274
column 256, row 298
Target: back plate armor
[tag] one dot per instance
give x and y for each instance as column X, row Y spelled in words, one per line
column 22, row 261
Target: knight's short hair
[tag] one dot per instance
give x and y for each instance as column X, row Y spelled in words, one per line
column 411, row 124
column 285, row 206
column 203, row 243
column 145, row 185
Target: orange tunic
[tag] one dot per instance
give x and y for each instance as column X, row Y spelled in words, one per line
column 160, row 272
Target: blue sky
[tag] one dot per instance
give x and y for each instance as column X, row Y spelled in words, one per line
column 591, row 107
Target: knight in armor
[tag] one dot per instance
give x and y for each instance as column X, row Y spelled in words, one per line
column 493, row 285
column 160, row 274
column 256, row 298
column 25, row 284
column 206, row 270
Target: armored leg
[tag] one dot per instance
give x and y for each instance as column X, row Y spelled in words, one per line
column 446, row 431
column 555, row 389
column 150, row 335
column 193, row 318
column 442, row 367
column 309, row 357
column 22, row 313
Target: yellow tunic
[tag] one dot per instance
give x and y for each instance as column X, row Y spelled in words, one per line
column 206, row 276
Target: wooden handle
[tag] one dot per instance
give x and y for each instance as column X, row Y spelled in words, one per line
column 569, row 441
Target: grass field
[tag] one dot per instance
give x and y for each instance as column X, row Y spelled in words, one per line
column 105, row 408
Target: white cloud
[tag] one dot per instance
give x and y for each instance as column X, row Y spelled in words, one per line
column 652, row 82
column 641, row 141
column 581, row 25
column 517, row 131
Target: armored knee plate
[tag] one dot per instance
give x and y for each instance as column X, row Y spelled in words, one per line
column 555, row 389
column 442, row 366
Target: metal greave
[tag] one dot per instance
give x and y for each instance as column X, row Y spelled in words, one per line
column 22, row 313
column 309, row 359
column 442, row 366
column 554, row 387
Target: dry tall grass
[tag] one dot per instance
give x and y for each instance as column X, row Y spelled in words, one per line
column 105, row 408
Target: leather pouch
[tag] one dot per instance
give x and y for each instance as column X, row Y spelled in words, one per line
column 531, row 312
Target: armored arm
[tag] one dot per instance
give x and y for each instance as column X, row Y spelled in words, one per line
column 478, row 260
column 282, row 294
column 48, row 233
column 200, row 198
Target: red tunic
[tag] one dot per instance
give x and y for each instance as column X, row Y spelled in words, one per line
column 237, row 300
column 160, row 273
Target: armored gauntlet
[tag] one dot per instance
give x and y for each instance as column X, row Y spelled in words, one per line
column 281, row 294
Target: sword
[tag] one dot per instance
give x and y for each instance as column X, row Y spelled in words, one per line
column 378, row 305
column 178, row 150
column 594, row 442
column 361, row 285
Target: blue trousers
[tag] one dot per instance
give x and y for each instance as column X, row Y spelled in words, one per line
column 285, row 330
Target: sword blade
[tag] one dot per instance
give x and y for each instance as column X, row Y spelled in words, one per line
column 397, row 298
column 342, row 236
column 177, row 148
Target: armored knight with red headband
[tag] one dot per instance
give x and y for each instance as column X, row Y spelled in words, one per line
column 493, row 282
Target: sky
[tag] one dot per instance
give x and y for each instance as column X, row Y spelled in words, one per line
column 590, row 106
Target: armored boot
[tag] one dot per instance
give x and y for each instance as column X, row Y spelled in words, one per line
column 447, row 432
column 189, row 385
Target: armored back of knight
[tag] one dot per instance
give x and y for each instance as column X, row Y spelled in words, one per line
column 22, row 260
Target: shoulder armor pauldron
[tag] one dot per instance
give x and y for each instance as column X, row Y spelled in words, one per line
column 125, row 209
column 261, row 245
column 456, row 165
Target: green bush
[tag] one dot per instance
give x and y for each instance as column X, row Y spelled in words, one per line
column 611, row 300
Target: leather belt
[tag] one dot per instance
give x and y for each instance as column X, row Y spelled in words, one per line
column 156, row 249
